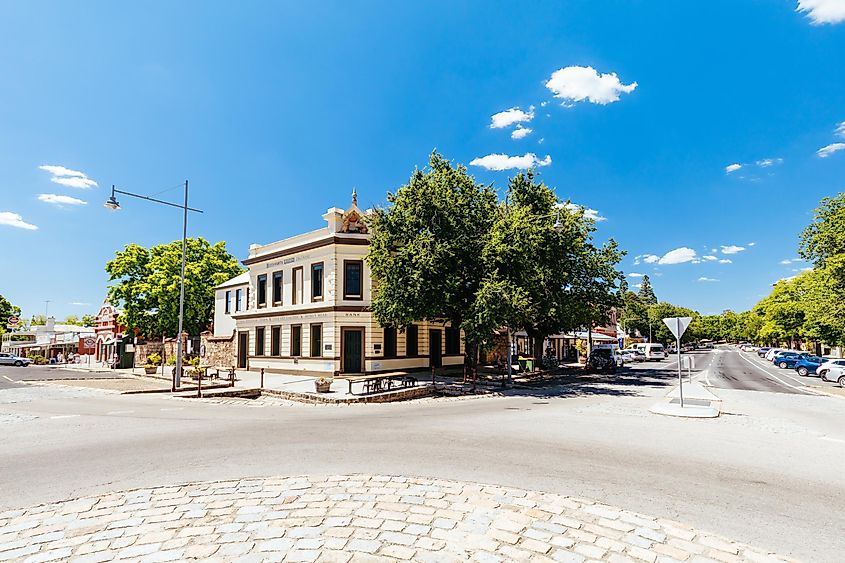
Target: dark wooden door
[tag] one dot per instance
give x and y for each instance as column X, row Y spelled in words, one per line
column 352, row 351
column 243, row 349
column 435, row 350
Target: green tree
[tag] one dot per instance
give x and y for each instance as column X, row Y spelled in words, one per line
column 427, row 253
column 783, row 312
column 7, row 310
column 647, row 295
column 543, row 254
column 89, row 320
column 660, row 332
column 633, row 314
column 38, row 320
column 147, row 285
column 824, row 238
column 72, row 320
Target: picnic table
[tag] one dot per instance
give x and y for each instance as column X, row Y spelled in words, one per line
column 378, row 383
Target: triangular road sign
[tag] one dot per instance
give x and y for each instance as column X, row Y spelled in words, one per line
column 678, row 325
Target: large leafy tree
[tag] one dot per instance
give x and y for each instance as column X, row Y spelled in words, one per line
column 544, row 254
column 427, row 253
column 147, row 285
column 661, row 333
column 783, row 312
column 7, row 310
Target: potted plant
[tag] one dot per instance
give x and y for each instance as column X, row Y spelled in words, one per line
column 323, row 384
column 153, row 361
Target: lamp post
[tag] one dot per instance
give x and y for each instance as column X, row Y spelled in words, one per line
column 113, row 204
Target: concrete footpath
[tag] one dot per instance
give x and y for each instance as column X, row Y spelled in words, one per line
column 351, row 518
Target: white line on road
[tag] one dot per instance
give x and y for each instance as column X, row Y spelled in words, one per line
column 119, row 412
column 9, row 378
column 803, row 388
column 58, row 416
column 173, row 408
column 830, row 439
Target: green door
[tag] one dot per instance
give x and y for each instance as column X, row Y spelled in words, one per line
column 352, row 351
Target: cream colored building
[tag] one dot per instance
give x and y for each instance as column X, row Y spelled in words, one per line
column 307, row 309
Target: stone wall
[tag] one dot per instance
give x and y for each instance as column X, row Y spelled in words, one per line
column 219, row 350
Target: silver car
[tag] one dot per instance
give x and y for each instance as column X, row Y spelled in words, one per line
column 7, row 359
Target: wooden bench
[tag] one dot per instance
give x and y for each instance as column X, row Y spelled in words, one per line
column 229, row 371
column 381, row 382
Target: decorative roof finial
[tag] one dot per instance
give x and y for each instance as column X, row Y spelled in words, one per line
column 355, row 197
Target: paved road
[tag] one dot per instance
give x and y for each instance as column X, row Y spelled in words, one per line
column 732, row 369
column 11, row 376
column 763, row 473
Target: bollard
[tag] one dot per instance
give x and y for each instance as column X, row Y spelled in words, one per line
column 232, row 377
column 199, row 384
column 432, row 375
column 262, row 379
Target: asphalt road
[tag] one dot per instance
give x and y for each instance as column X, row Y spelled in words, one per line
column 732, row 369
column 11, row 376
column 764, row 473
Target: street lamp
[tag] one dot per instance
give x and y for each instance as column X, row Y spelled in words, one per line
column 113, row 205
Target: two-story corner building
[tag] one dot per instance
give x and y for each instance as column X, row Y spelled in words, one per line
column 307, row 309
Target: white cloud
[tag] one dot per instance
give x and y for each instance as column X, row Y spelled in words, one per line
column 726, row 261
column 825, row 152
column 635, row 275
column 588, row 213
column 68, row 177
column 650, row 258
column 709, row 258
column 520, row 132
column 79, row 304
column 840, row 129
column 56, row 170
column 678, row 256
column 14, row 220
column 732, row 249
column 638, row 285
column 766, row 162
column 732, row 168
column 510, row 116
column 61, row 199
column 790, row 261
column 752, row 243
column 823, row 11
column 703, row 279
column 83, row 183
column 578, row 83
column 505, row 162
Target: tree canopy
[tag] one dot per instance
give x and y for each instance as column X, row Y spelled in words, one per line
column 147, row 285
column 7, row 310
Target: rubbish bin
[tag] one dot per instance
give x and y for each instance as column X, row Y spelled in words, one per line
column 529, row 364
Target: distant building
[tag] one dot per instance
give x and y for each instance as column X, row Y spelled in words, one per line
column 48, row 340
column 230, row 297
column 108, row 330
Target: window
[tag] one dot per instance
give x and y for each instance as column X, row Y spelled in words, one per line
column 316, row 340
column 390, row 343
column 297, row 286
column 453, row 341
column 411, row 341
column 296, row 340
column 262, row 290
column 228, row 303
column 352, row 279
column 239, row 299
column 276, row 341
column 259, row 341
column 277, row 288
column 317, row 282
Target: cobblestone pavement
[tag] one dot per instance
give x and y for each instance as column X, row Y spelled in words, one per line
column 351, row 518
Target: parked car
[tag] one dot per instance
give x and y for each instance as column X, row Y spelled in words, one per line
column 786, row 360
column 749, row 348
column 808, row 364
column 7, row 359
column 763, row 351
column 601, row 360
column 834, row 370
column 770, row 355
column 633, row 355
column 653, row 351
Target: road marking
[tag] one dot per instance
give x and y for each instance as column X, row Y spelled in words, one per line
column 58, row 416
column 9, row 378
column 119, row 412
column 173, row 408
column 756, row 365
column 829, row 439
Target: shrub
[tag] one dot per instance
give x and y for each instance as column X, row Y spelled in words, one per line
column 154, row 359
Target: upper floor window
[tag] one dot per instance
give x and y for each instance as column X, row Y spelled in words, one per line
column 317, row 282
column 262, row 290
column 277, row 288
column 239, row 300
column 352, row 283
column 297, row 285
column 228, row 306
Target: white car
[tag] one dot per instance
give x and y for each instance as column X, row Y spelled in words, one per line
column 833, row 370
column 749, row 348
column 770, row 355
column 7, row 359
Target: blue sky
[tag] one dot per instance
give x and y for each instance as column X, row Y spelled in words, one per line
column 275, row 111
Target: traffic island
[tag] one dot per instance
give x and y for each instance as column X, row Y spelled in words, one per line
column 698, row 402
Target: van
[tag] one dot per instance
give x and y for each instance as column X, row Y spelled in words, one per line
column 652, row 351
